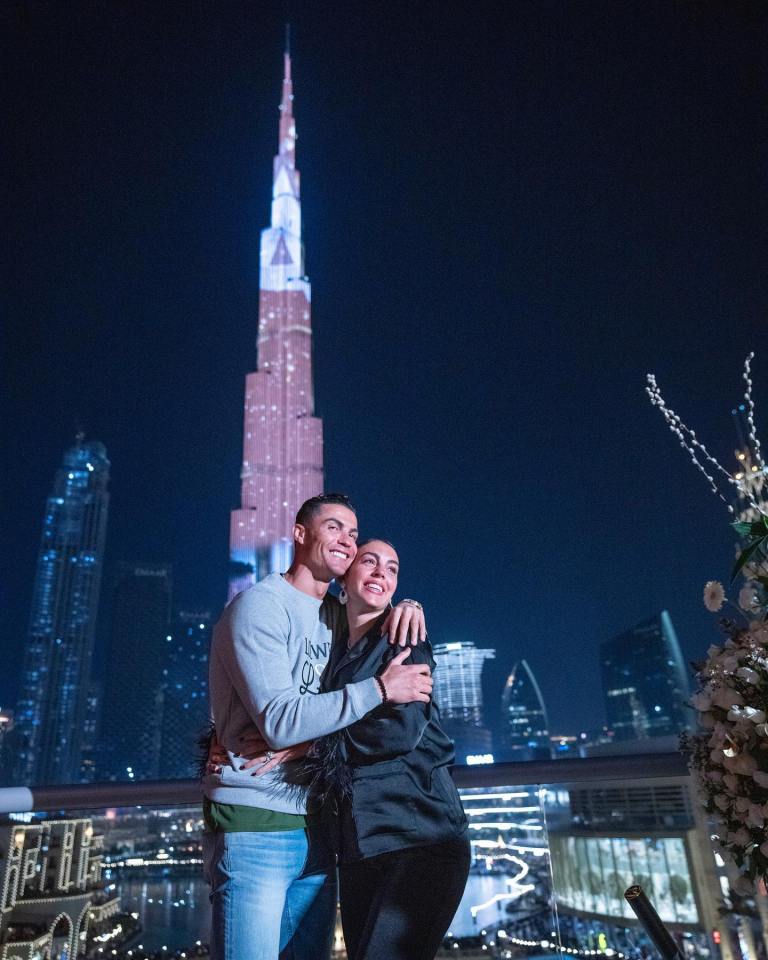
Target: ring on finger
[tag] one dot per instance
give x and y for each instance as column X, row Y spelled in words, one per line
column 268, row 756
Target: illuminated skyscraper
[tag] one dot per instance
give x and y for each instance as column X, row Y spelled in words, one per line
column 524, row 731
column 459, row 694
column 57, row 667
column 282, row 439
column 645, row 685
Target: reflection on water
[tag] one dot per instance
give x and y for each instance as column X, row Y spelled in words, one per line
column 175, row 912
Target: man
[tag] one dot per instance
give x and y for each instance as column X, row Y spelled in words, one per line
column 272, row 893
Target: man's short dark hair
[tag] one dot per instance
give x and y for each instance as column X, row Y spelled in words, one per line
column 310, row 507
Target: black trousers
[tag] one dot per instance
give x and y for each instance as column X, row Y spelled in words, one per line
column 398, row 906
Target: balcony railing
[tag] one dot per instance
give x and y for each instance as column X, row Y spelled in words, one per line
column 555, row 844
column 98, row 796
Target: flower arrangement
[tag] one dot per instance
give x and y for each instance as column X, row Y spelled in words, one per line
column 728, row 755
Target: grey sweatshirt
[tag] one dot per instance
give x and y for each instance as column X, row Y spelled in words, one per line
column 268, row 653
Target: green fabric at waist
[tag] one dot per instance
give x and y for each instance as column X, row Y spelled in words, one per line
column 238, row 818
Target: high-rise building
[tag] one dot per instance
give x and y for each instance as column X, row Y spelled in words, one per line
column 524, row 731
column 282, row 439
column 458, row 692
column 645, row 685
column 6, row 752
column 185, row 691
column 131, row 714
column 57, row 665
column 91, row 727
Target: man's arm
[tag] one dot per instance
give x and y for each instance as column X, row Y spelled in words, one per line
column 253, row 651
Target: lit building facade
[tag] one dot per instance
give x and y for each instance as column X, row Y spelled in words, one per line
column 52, row 900
column 524, row 732
column 133, row 695
column 459, row 692
column 185, row 691
column 282, row 439
column 57, row 665
column 645, row 685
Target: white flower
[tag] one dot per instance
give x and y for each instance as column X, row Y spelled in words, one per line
column 726, row 697
column 753, row 714
column 701, row 701
column 760, row 778
column 739, row 837
column 731, row 782
column 714, row 595
column 744, row 764
column 747, row 599
column 748, row 674
column 762, row 729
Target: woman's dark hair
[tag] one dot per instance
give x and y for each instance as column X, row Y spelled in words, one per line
column 367, row 540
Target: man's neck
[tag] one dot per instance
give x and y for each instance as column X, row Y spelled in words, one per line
column 302, row 578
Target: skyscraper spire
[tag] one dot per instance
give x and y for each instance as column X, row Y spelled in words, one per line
column 282, row 439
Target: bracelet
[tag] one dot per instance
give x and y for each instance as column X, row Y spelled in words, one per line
column 383, row 689
column 414, row 603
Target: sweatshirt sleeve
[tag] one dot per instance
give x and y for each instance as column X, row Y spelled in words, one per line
column 393, row 730
column 253, row 652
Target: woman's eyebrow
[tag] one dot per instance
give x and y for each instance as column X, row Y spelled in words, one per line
column 377, row 556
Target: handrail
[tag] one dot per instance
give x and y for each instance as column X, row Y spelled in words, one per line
column 161, row 793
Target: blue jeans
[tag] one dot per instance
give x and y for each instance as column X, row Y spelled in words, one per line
column 271, row 896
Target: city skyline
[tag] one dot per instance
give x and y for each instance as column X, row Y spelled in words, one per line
column 476, row 292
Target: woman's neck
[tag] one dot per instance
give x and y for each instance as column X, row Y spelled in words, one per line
column 359, row 622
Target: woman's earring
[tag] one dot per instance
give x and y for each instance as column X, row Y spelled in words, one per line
column 342, row 596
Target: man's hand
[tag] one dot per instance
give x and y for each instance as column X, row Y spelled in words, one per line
column 217, row 757
column 254, row 754
column 263, row 761
column 405, row 624
column 405, row 684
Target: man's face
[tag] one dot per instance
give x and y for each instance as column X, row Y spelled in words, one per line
column 327, row 544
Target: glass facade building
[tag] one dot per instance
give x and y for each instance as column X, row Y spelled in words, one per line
column 458, row 692
column 133, row 695
column 57, row 666
column 645, row 684
column 185, row 691
column 524, row 733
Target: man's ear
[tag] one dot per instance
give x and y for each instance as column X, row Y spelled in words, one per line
column 299, row 533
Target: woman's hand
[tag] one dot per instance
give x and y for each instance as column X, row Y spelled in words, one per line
column 406, row 624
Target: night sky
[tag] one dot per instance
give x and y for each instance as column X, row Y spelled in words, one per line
column 513, row 212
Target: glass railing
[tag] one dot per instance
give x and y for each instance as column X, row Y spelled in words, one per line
column 114, row 870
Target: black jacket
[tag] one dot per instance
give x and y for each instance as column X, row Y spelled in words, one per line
column 384, row 783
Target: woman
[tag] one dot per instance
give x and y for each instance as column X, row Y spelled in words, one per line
column 385, row 786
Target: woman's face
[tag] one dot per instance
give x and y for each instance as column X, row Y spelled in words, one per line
column 372, row 579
